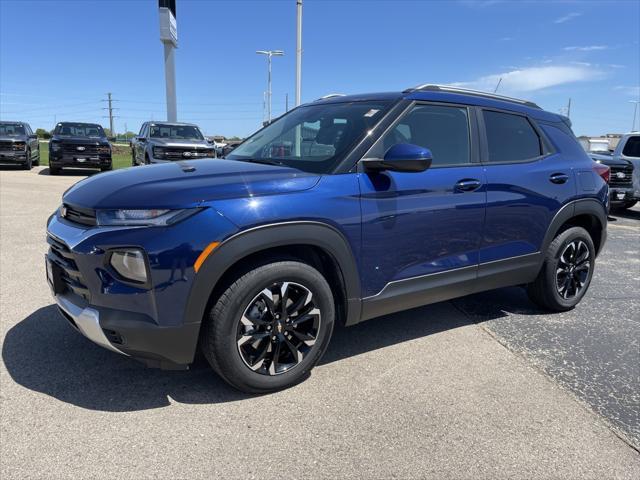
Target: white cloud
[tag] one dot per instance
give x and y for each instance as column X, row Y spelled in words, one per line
column 567, row 17
column 633, row 91
column 588, row 48
column 534, row 78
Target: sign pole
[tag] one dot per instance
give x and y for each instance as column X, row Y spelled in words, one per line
column 169, row 38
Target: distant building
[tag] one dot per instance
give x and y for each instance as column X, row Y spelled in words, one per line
column 603, row 143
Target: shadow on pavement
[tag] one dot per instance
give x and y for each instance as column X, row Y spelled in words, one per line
column 70, row 172
column 44, row 354
column 632, row 214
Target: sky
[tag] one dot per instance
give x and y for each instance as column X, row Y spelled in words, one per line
column 58, row 59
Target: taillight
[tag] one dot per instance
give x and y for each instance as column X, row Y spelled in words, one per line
column 602, row 170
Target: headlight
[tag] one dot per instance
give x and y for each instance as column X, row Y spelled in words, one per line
column 130, row 263
column 55, row 146
column 156, row 217
column 210, row 152
column 104, row 149
column 19, row 146
column 159, row 151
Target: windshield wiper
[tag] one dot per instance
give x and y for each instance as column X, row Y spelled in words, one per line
column 263, row 161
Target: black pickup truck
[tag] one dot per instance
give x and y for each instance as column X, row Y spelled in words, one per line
column 82, row 145
column 18, row 145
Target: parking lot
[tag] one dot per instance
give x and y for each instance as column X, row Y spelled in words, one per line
column 482, row 387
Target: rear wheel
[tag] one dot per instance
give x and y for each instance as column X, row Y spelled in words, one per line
column 270, row 327
column 133, row 158
column 36, row 162
column 567, row 271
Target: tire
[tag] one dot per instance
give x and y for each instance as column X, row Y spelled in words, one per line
column 146, row 159
column 28, row 163
column 37, row 161
column 106, row 169
column 133, row 158
column 249, row 366
column 566, row 273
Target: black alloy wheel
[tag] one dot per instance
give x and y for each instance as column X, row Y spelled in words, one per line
column 278, row 328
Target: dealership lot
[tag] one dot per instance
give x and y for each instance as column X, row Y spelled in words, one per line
column 484, row 386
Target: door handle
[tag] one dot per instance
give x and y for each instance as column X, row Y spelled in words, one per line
column 468, row 185
column 559, row 178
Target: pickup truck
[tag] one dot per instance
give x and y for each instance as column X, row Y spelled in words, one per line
column 624, row 162
column 161, row 142
column 18, row 145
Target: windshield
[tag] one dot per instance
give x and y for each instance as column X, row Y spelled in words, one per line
column 632, row 147
column 312, row 138
column 183, row 132
column 79, row 130
column 11, row 129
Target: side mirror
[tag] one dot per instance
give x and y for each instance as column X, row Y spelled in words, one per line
column 33, row 136
column 141, row 139
column 402, row 157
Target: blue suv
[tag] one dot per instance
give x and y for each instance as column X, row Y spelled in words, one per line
column 344, row 209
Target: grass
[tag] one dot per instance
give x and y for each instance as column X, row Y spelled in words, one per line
column 121, row 156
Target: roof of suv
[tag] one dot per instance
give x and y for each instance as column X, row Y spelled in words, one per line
column 177, row 124
column 451, row 94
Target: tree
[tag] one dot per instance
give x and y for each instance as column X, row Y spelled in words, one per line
column 42, row 133
column 107, row 132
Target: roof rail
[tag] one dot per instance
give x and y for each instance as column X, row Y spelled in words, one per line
column 331, row 95
column 468, row 91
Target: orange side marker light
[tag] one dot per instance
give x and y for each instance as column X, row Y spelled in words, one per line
column 203, row 256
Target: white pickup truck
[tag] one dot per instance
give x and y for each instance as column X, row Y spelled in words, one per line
column 624, row 181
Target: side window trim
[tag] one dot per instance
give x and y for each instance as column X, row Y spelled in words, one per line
column 474, row 154
column 546, row 147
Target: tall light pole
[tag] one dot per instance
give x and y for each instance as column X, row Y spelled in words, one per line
column 298, row 51
column 635, row 113
column 269, row 54
column 169, row 38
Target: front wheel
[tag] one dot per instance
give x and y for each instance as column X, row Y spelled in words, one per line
column 566, row 273
column 270, row 327
column 27, row 164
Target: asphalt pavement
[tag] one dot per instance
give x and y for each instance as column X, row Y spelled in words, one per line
column 482, row 387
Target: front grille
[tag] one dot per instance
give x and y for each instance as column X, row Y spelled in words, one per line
column 6, row 146
column 72, row 148
column 83, row 216
column 179, row 153
column 626, row 181
column 71, row 276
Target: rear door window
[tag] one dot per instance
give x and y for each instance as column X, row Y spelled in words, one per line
column 510, row 138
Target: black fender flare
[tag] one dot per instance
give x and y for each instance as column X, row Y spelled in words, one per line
column 585, row 206
column 264, row 237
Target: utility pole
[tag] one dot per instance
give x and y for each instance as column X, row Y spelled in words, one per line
column 569, row 108
column 635, row 113
column 269, row 54
column 169, row 38
column 286, row 103
column 298, row 51
column 110, row 110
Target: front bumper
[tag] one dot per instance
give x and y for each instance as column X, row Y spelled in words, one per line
column 93, row 161
column 619, row 195
column 127, row 333
column 12, row 158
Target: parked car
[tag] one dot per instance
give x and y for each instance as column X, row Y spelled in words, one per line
column 18, row 145
column 76, row 144
column 160, row 142
column 624, row 162
column 342, row 210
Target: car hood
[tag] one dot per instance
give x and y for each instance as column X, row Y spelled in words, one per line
column 174, row 142
column 80, row 140
column 185, row 184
